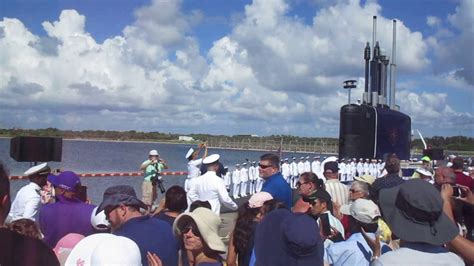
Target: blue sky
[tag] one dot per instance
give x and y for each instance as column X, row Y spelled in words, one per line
column 228, row 67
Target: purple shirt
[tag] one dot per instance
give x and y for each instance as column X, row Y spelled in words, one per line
column 63, row 217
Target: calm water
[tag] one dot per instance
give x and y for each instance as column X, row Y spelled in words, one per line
column 105, row 156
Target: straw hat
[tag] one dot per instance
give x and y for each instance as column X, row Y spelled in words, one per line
column 208, row 224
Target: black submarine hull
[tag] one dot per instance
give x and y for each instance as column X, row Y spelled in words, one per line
column 373, row 132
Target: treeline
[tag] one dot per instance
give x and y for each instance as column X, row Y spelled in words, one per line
column 457, row 143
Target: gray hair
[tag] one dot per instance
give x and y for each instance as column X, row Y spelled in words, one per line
column 362, row 187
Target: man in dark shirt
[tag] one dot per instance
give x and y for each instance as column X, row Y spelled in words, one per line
column 17, row 249
column 122, row 209
column 392, row 179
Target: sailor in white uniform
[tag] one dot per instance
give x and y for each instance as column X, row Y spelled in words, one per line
column 227, row 178
column 236, row 181
column 244, row 179
column 28, row 199
column 210, row 187
column 252, row 179
column 294, row 172
column 366, row 167
column 352, row 170
column 307, row 165
column 285, row 170
column 316, row 165
column 360, row 167
column 259, row 179
column 342, row 170
column 193, row 164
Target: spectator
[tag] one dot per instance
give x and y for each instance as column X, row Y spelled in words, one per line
column 122, row 207
column 28, row 200
column 151, row 168
column 200, row 203
column 321, row 204
column 307, row 184
column 68, row 214
column 242, row 238
column 392, row 179
column 275, row 184
column 15, row 248
column 414, row 212
column 363, row 215
column 284, row 238
column 269, row 206
column 26, row 227
column 174, row 204
column 338, row 191
column 466, row 210
column 198, row 230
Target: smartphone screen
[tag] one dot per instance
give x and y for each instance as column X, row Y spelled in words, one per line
column 324, row 222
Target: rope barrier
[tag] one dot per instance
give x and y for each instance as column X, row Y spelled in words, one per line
column 16, row 177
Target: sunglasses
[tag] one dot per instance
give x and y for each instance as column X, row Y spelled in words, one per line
column 299, row 184
column 192, row 228
column 264, row 166
column 353, row 190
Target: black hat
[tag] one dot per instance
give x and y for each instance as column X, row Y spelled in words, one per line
column 331, row 166
column 318, row 194
column 116, row 195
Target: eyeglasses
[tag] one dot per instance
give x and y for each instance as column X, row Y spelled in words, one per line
column 192, row 228
column 353, row 190
column 299, row 184
column 264, row 166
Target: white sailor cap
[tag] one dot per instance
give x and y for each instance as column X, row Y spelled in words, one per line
column 237, row 164
column 294, row 158
column 451, row 156
column 254, row 162
column 40, row 169
column 153, row 153
column 286, row 159
column 244, row 164
column 302, row 158
column 316, row 157
column 190, row 151
column 424, row 172
column 307, row 157
column 211, row 159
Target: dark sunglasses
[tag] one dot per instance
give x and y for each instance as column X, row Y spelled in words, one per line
column 264, row 166
column 353, row 190
column 299, row 184
column 192, row 228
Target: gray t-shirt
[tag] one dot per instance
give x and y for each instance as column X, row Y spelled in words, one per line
column 406, row 256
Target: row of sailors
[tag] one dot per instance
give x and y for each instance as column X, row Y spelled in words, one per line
column 246, row 181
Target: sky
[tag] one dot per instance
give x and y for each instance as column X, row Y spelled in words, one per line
column 264, row 67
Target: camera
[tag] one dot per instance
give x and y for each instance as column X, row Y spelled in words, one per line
column 458, row 192
column 157, row 180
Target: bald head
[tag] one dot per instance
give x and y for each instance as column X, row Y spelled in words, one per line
column 444, row 175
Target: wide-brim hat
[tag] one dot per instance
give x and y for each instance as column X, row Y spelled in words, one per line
column 116, row 195
column 208, row 225
column 414, row 212
column 366, row 179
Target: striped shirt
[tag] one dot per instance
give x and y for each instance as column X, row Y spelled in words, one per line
column 338, row 191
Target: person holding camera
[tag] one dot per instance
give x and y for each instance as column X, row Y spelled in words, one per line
column 151, row 177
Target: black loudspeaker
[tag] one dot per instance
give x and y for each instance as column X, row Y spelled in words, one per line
column 36, row 149
column 434, row 154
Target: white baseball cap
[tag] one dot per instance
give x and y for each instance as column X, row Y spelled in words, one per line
column 363, row 210
column 153, row 153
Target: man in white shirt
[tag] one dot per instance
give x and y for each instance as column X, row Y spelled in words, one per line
column 210, row 187
column 28, row 199
column 236, row 181
column 244, row 179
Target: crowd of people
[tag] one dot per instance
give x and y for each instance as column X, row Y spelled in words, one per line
column 344, row 215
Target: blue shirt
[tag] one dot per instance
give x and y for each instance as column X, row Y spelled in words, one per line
column 278, row 188
column 63, row 217
column 153, row 235
column 353, row 251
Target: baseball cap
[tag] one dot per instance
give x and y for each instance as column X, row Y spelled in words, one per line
column 257, row 199
column 67, row 180
column 116, row 195
column 331, row 166
column 153, row 153
column 363, row 210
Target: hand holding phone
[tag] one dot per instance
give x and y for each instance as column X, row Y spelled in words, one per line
column 324, row 223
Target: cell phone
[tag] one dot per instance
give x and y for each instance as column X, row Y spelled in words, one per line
column 324, row 222
column 81, row 193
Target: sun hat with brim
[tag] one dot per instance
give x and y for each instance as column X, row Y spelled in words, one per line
column 366, row 179
column 153, row 153
column 414, row 212
column 66, row 180
column 208, row 225
column 116, row 195
column 82, row 251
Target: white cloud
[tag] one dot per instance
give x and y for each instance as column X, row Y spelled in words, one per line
column 272, row 74
column 433, row 21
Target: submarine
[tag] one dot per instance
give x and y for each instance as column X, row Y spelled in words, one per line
column 375, row 128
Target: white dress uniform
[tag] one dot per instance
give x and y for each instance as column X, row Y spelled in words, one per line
column 210, row 187
column 353, row 171
column 252, row 180
column 236, row 183
column 294, row 173
column 285, row 171
column 342, row 171
column 316, row 166
column 366, row 169
column 301, row 167
column 307, row 165
column 244, row 179
column 26, row 204
column 227, row 180
column 360, row 169
column 193, row 171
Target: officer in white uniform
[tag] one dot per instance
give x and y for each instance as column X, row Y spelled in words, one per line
column 252, row 179
column 236, row 181
column 193, row 164
column 294, row 172
column 259, row 179
column 360, row 167
column 307, row 165
column 28, row 199
column 210, row 187
column 227, row 178
column 285, row 170
column 316, row 165
column 244, row 179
